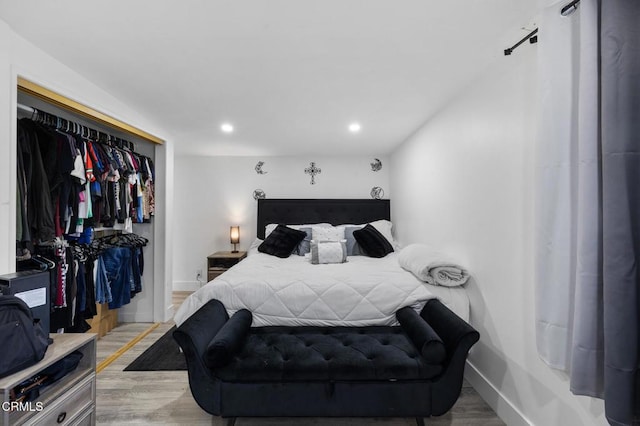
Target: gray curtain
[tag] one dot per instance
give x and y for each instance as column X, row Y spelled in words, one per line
column 588, row 202
column 620, row 148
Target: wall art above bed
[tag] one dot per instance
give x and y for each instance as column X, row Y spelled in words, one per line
column 313, row 171
column 258, row 194
column 376, row 166
column 258, row 168
column 377, row 193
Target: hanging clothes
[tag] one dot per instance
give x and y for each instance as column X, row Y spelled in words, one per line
column 68, row 181
column 71, row 179
column 119, row 268
column 36, row 195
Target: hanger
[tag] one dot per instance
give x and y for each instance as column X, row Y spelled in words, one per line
column 72, row 127
column 80, row 252
column 41, row 266
column 43, row 260
column 121, row 240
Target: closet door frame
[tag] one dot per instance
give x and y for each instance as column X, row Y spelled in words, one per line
column 162, row 267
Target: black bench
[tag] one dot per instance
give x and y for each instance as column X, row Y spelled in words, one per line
column 412, row 370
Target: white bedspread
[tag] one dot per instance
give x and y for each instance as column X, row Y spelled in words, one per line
column 293, row 292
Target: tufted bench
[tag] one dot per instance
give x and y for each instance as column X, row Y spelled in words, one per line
column 305, row 354
column 411, row 370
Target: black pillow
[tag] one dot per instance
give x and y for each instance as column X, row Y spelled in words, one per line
column 372, row 242
column 422, row 335
column 281, row 241
column 228, row 340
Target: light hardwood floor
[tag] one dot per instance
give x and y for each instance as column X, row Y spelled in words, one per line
column 164, row 398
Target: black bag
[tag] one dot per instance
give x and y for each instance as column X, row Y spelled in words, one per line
column 23, row 341
column 29, row 390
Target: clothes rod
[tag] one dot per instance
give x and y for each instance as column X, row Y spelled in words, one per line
column 570, row 8
column 34, row 111
column 25, row 108
column 531, row 37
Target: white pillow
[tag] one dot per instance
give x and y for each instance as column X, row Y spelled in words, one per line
column 254, row 246
column 384, row 227
column 328, row 252
column 327, row 233
column 270, row 227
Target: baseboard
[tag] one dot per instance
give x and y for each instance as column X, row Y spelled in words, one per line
column 186, row 285
column 135, row 316
column 509, row 413
column 169, row 313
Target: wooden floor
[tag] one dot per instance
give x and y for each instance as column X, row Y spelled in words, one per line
column 164, row 398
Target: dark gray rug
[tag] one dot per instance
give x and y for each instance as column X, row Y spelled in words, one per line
column 163, row 355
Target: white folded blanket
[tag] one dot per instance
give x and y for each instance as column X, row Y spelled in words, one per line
column 431, row 266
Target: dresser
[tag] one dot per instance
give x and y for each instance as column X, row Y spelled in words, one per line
column 69, row 401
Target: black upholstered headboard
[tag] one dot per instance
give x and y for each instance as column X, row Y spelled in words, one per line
column 334, row 211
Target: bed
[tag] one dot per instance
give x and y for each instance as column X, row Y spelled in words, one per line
column 363, row 338
column 364, row 291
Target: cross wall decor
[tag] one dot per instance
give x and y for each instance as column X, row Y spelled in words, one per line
column 313, row 171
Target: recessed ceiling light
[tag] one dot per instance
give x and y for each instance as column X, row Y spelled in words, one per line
column 354, row 127
column 226, row 127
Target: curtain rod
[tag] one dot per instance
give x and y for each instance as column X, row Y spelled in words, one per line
column 565, row 11
column 570, row 8
column 34, row 111
column 531, row 37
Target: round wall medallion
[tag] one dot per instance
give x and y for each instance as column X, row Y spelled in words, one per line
column 377, row 192
column 376, row 165
column 258, row 194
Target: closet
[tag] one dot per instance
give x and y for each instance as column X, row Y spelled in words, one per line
column 86, row 191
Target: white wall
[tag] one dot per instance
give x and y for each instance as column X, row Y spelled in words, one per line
column 20, row 58
column 463, row 183
column 213, row 193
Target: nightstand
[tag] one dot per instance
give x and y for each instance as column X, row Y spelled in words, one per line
column 220, row 261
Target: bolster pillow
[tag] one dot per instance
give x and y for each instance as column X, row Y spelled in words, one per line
column 229, row 339
column 422, row 335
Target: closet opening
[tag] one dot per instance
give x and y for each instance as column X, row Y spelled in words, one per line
column 86, row 212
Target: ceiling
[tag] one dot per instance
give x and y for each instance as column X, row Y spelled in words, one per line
column 290, row 75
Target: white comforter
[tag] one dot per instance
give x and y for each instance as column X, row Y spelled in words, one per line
column 293, row 292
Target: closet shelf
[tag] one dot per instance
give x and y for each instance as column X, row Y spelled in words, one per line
column 54, row 98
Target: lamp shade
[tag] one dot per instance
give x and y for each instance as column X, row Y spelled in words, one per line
column 234, row 235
